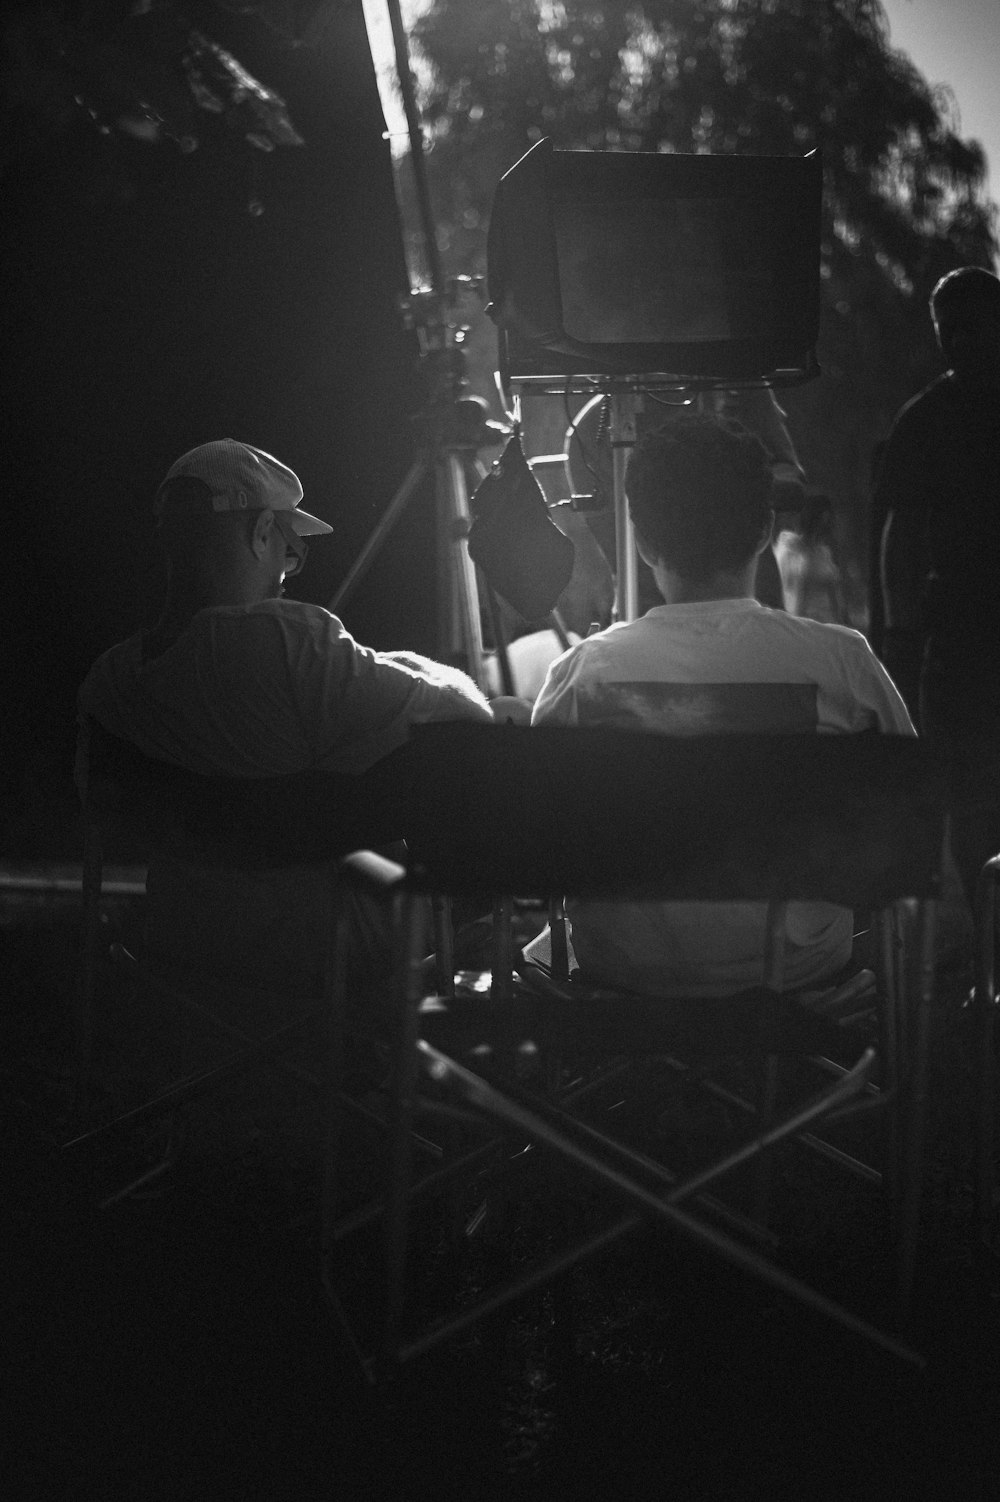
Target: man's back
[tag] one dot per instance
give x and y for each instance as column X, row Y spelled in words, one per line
column 718, row 666
column 258, row 691
column 265, row 689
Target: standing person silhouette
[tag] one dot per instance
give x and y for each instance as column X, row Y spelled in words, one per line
column 938, row 487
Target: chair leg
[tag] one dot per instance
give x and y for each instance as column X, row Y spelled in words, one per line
column 560, row 944
column 335, row 995
column 503, row 950
column 915, row 1115
column 166, row 1162
column 404, row 1089
column 86, row 982
column 985, row 1002
column 986, row 1192
column 764, row 1167
column 444, row 947
column 889, row 1044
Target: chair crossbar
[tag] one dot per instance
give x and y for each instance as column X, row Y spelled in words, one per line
column 664, row 1209
column 186, row 1090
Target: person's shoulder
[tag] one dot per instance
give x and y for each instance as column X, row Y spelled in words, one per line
column 578, row 664
column 591, row 650
column 270, row 631
column 806, row 623
column 937, row 397
column 830, row 651
column 288, row 617
column 123, row 656
column 611, row 636
column 129, row 649
column 289, row 610
column 831, row 634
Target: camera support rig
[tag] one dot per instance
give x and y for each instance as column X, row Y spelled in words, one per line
column 452, row 427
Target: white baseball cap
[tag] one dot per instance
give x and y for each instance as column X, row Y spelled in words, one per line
column 241, row 478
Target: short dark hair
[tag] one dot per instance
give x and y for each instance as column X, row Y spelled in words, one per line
column 962, row 287
column 700, row 493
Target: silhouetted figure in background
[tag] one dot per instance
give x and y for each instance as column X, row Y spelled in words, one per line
column 939, row 489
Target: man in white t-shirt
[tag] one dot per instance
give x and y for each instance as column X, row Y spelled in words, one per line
column 711, row 660
column 234, row 680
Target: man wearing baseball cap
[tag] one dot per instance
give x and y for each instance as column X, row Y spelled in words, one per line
column 235, row 680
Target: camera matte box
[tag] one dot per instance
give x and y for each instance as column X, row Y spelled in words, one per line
column 701, row 270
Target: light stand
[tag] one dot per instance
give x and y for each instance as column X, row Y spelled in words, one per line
column 452, row 427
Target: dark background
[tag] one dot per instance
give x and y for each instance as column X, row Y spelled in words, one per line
column 149, row 309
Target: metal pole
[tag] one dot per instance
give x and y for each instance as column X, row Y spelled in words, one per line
column 623, row 409
column 460, row 626
column 416, row 145
column 465, row 595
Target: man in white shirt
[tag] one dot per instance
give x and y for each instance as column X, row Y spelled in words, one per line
column 236, row 681
column 712, row 660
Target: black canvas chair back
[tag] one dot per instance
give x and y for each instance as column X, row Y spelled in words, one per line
column 600, row 813
column 242, row 822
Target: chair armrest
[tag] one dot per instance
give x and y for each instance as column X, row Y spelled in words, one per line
column 366, row 871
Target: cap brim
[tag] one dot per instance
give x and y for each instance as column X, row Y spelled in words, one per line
column 304, row 524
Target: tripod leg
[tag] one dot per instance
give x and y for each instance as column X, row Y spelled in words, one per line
column 390, row 516
column 499, row 638
column 462, row 627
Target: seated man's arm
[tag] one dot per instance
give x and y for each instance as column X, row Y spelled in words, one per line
column 507, row 709
column 877, row 702
column 556, row 702
column 357, row 705
column 437, row 674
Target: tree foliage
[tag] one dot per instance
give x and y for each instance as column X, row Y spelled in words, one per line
column 904, row 197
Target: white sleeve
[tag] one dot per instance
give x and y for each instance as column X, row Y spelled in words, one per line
column 357, row 705
column 556, row 703
column 876, row 692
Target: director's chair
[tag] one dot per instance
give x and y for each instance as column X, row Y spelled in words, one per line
column 511, row 812
column 151, row 809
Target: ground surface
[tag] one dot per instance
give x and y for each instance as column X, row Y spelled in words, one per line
column 176, row 1346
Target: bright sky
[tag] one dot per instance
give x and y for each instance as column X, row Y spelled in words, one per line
column 957, row 42
column 954, row 42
